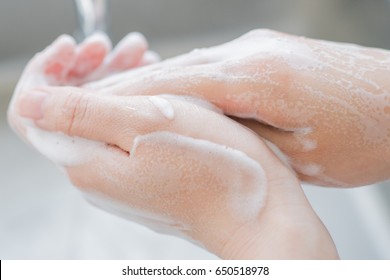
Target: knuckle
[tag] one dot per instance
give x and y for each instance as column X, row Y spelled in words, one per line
column 75, row 111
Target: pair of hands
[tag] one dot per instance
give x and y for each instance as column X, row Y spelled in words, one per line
column 176, row 163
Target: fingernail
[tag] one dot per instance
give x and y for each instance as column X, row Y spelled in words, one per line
column 30, row 104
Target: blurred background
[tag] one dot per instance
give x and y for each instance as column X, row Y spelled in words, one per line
column 43, row 217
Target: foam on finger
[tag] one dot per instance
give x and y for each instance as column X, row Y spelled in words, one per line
column 128, row 52
column 58, row 59
column 90, row 55
column 48, row 67
column 62, row 149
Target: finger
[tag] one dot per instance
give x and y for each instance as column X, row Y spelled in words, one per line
column 90, row 55
column 52, row 63
column 196, row 57
column 81, row 113
column 128, row 52
column 58, row 60
column 229, row 89
column 150, row 57
column 118, row 120
column 48, row 67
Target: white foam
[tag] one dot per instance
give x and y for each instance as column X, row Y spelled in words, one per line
column 308, row 144
column 304, row 130
column 164, row 106
column 60, row 148
column 301, row 134
column 243, row 178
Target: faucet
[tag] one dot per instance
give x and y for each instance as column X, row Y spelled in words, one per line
column 92, row 16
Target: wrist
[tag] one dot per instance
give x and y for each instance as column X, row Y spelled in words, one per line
column 281, row 238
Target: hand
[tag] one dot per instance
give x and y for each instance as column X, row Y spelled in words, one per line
column 325, row 105
column 180, row 168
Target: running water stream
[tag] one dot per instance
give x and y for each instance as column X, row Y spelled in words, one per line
column 92, row 16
